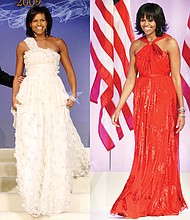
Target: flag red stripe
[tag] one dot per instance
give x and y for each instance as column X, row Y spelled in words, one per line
column 105, row 13
column 102, row 71
column 95, row 90
column 188, row 24
column 124, row 14
column 125, row 110
column 121, row 51
column 119, row 47
column 186, row 53
column 104, row 136
column 186, row 56
column 110, row 110
column 186, row 91
column 128, row 116
column 105, row 75
column 117, row 82
column 105, row 43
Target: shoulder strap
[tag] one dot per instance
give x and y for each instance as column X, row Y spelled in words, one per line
column 160, row 38
column 144, row 39
column 31, row 43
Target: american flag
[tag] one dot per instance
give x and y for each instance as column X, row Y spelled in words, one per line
column 186, row 62
column 109, row 48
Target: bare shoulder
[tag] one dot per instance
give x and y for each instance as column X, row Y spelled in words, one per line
column 22, row 47
column 170, row 43
column 170, row 40
column 136, row 44
column 59, row 42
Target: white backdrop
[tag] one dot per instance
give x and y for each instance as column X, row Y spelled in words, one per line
column 120, row 158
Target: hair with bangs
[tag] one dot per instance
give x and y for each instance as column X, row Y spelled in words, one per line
column 30, row 16
column 155, row 12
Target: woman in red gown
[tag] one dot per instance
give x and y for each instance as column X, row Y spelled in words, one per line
column 153, row 187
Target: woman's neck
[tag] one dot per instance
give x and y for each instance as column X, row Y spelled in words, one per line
column 40, row 38
column 151, row 37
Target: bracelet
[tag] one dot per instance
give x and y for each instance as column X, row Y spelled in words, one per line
column 182, row 115
column 72, row 98
column 181, row 109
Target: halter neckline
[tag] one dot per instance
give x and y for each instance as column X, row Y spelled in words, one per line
column 144, row 39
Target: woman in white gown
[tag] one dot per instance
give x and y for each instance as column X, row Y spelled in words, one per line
column 48, row 149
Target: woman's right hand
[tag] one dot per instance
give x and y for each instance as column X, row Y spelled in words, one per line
column 20, row 79
column 115, row 117
column 15, row 103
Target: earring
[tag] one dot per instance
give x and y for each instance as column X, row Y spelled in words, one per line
column 158, row 29
column 46, row 32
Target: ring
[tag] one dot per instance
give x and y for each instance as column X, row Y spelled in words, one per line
column 67, row 107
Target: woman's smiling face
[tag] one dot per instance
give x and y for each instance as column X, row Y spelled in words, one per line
column 148, row 25
column 39, row 24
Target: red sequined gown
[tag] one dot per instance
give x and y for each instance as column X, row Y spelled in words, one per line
column 153, row 187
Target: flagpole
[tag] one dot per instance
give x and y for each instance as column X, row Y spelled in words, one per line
column 109, row 161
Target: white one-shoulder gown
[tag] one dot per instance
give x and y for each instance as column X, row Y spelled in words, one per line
column 48, row 149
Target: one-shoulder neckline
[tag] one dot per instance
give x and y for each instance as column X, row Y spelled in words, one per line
column 28, row 51
column 41, row 48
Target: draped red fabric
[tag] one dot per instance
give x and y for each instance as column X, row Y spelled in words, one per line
column 153, row 187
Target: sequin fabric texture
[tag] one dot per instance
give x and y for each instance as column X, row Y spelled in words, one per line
column 153, row 187
column 48, row 149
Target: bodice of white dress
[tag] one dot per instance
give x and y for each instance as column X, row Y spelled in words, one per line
column 40, row 61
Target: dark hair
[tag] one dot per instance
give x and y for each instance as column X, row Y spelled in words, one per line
column 155, row 12
column 32, row 13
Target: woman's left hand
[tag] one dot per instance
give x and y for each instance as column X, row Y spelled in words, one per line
column 69, row 104
column 180, row 123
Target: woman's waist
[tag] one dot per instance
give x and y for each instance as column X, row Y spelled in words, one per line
column 154, row 80
column 41, row 71
column 152, row 75
column 158, row 82
column 43, row 75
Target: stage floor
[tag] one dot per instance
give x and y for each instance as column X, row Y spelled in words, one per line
column 106, row 187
